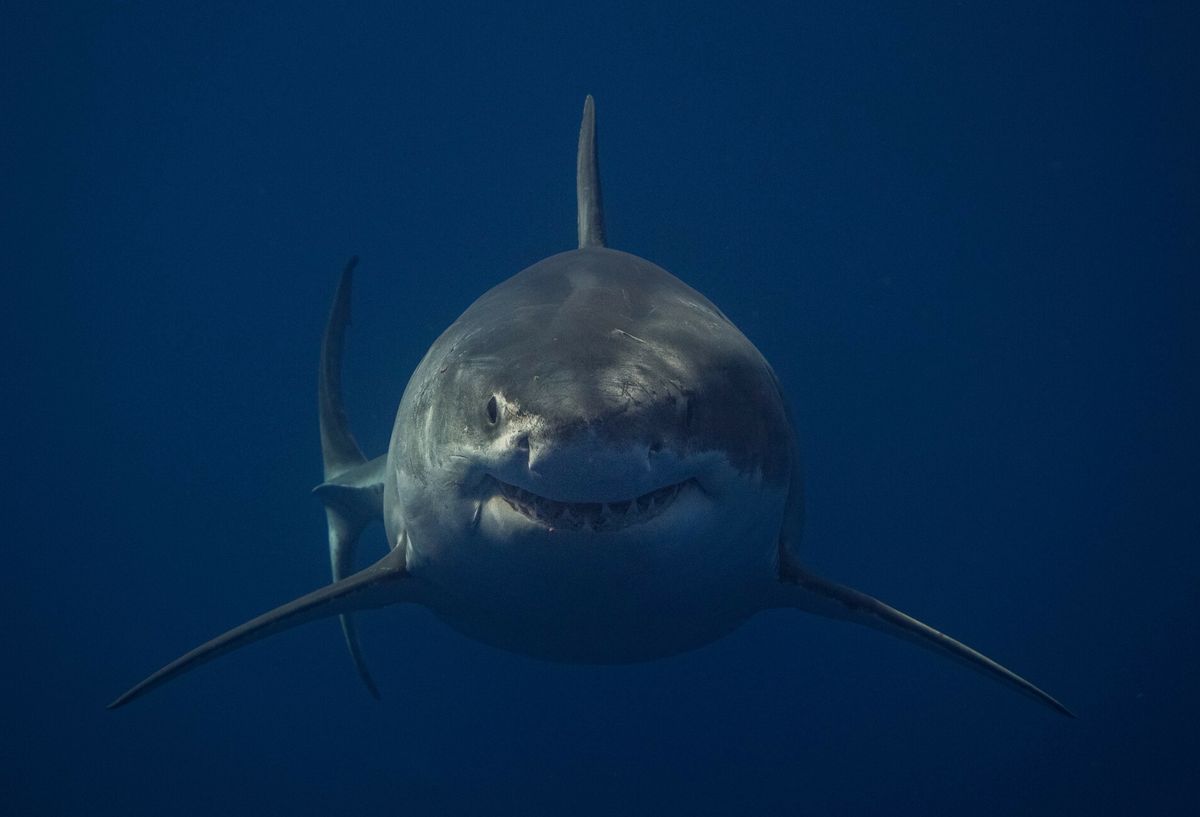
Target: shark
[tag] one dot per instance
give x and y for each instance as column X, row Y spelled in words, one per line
column 592, row 464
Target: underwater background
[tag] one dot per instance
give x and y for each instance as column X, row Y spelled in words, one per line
column 965, row 235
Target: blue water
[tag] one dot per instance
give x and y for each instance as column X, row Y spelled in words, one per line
column 965, row 237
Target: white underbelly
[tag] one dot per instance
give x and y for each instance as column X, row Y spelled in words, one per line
column 674, row 583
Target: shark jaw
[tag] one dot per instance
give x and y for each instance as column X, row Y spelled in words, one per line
column 594, row 517
column 653, row 574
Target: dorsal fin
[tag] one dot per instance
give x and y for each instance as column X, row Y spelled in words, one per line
column 339, row 450
column 587, row 181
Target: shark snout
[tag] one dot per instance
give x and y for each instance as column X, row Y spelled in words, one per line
column 582, row 465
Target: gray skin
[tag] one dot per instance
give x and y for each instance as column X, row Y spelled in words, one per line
column 592, row 464
column 592, row 378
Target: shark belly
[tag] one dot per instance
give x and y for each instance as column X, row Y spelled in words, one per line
column 675, row 583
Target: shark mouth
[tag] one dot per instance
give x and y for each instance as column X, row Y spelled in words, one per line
column 598, row 517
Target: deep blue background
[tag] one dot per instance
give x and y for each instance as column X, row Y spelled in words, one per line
column 965, row 235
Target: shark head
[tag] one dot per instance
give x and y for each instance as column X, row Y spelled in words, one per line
column 591, row 430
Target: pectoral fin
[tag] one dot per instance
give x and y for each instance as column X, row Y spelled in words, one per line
column 384, row 583
column 811, row 593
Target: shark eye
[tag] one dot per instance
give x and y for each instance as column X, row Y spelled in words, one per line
column 493, row 410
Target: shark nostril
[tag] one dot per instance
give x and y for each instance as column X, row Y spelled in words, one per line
column 522, row 443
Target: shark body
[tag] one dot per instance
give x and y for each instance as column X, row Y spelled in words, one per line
column 592, row 464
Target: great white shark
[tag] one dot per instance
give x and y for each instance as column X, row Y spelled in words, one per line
column 592, row 464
